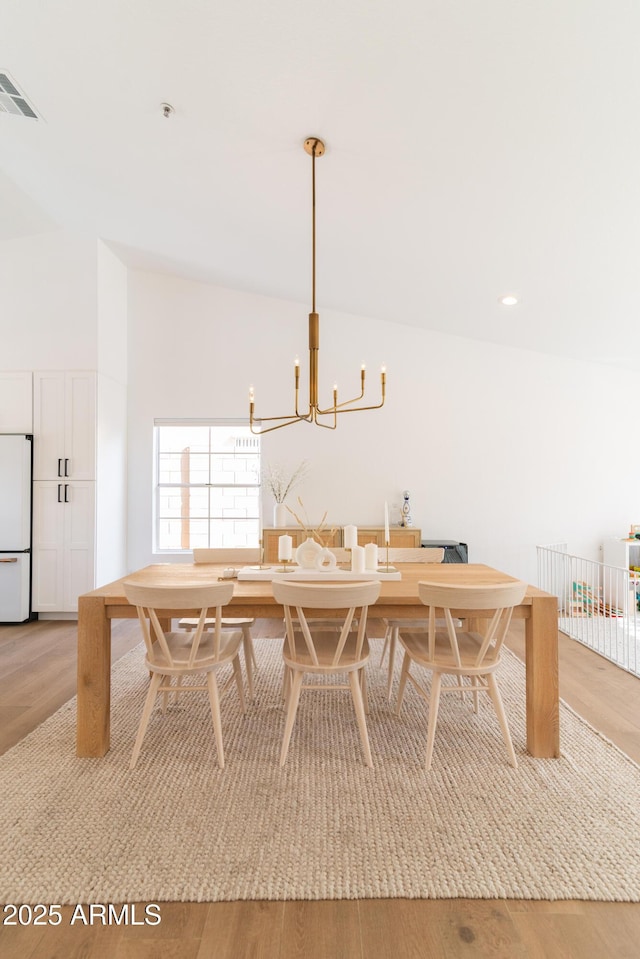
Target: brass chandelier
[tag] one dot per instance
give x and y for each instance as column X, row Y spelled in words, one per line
column 327, row 417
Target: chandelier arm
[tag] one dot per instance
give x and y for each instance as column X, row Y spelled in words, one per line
column 352, row 409
column 289, row 416
column 326, row 426
column 339, row 406
column 270, row 429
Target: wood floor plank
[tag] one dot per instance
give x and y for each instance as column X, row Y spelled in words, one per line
column 409, row 928
column 481, row 929
column 178, row 920
column 156, row 949
column 542, row 905
column 20, row 942
column 569, row 936
column 68, row 940
column 317, row 930
column 618, row 924
column 243, row 930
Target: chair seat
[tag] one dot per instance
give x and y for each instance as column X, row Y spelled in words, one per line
column 325, row 648
column 180, row 647
column 469, row 645
column 406, row 623
column 316, row 622
column 191, row 623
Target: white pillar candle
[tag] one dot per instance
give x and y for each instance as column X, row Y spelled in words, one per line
column 386, row 525
column 371, row 556
column 285, row 547
column 357, row 559
column 350, row 537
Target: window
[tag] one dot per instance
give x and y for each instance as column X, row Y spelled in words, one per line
column 207, row 485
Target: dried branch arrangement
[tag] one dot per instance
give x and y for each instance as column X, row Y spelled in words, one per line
column 280, row 480
column 321, row 533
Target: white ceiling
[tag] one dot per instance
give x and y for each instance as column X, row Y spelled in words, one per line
column 474, row 148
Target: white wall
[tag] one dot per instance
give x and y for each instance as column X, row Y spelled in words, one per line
column 111, row 475
column 501, row 448
column 111, row 315
column 63, row 306
column 48, row 302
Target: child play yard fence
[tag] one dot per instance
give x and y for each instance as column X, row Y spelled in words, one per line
column 597, row 604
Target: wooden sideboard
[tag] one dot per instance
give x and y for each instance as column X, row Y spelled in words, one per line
column 399, row 536
column 403, row 536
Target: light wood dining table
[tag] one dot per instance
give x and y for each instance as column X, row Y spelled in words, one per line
column 398, row 600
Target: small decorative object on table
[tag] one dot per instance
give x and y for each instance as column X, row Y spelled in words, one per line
column 326, row 560
column 285, row 548
column 350, row 537
column 371, row 556
column 280, row 481
column 406, row 511
column 308, row 553
column 357, row 559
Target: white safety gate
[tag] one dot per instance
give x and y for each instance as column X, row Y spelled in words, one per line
column 597, row 604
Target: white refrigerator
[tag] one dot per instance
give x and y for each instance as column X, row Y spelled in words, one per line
column 16, row 460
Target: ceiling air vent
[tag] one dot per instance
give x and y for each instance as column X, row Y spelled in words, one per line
column 13, row 101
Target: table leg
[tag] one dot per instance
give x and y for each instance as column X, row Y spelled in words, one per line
column 94, row 677
column 541, row 654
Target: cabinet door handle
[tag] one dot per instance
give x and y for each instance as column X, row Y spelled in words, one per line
column 11, row 559
column 60, row 467
column 66, row 492
column 66, row 467
column 59, row 492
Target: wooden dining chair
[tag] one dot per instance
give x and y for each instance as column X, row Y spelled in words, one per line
column 183, row 654
column 232, row 558
column 314, row 650
column 474, row 652
column 392, row 626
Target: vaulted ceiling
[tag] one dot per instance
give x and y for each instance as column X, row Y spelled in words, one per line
column 473, row 149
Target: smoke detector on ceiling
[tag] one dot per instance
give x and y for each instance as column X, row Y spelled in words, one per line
column 12, row 100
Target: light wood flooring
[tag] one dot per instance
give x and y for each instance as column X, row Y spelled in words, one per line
column 37, row 675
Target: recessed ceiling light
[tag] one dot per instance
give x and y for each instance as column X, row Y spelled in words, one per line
column 509, row 300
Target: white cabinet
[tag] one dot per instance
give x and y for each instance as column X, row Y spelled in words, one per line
column 624, row 553
column 79, row 513
column 16, row 402
column 64, row 425
column 63, row 544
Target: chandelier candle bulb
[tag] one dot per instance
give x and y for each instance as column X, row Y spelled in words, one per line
column 357, row 559
column 371, row 556
column 350, row 537
column 285, row 547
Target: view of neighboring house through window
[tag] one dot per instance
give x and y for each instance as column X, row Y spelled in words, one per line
column 207, row 485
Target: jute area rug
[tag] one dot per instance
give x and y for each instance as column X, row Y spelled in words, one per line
column 325, row 827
